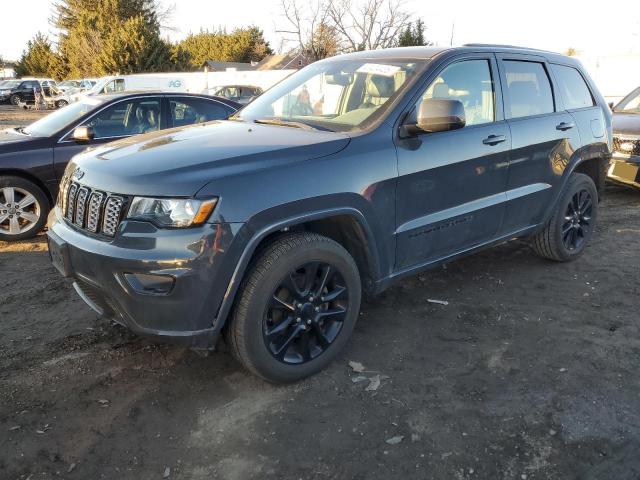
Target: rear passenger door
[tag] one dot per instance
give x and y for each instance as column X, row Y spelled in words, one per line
column 543, row 137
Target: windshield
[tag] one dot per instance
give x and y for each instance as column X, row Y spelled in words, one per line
column 56, row 121
column 9, row 84
column 337, row 95
column 630, row 103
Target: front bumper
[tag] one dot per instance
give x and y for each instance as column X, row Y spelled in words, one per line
column 625, row 169
column 182, row 310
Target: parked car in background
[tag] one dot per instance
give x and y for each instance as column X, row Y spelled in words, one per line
column 6, row 86
column 625, row 164
column 350, row 174
column 33, row 158
column 23, row 92
column 238, row 93
column 73, row 86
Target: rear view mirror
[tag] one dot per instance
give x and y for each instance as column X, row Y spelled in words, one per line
column 83, row 134
column 342, row 79
column 437, row 115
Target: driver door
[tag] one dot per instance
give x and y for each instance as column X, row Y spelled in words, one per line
column 451, row 186
column 119, row 120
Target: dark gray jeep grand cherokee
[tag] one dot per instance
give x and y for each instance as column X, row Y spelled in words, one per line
column 352, row 173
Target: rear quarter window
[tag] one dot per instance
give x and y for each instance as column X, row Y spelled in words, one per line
column 573, row 89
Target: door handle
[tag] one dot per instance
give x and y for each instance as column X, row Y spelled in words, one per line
column 494, row 139
column 565, row 126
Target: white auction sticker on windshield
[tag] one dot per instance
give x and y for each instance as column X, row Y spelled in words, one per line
column 379, row 69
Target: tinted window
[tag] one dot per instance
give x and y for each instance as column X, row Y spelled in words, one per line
column 470, row 83
column 528, row 89
column 127, row 118
column 186, row 111
column 574, row 90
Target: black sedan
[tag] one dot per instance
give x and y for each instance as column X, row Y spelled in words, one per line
column 33, row 158
column 625, row 164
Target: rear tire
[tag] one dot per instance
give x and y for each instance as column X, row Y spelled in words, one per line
column 572, row 223
column 62, row 103
column 296, row 308
column 23, row 209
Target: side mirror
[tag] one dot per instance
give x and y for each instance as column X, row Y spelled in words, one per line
column 611, row 105
column 438, row 115
column 83, row 134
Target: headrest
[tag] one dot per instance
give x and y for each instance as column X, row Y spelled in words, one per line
column 380, row 86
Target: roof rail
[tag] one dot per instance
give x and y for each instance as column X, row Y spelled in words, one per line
column 498, row 45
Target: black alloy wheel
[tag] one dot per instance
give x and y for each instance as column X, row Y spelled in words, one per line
column 306, row 313
column 577, row 224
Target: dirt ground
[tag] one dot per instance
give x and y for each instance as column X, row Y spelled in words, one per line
column 530, row 372
column 11, row 116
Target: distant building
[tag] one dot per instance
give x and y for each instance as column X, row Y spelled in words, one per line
column 213, row 66
column 291, row 61
column 6, row 70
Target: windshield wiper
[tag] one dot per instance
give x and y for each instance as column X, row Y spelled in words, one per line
column 283, row 123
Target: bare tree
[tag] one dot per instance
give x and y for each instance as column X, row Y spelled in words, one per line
column 322, row 28
column 368, row 24
column 309, row 27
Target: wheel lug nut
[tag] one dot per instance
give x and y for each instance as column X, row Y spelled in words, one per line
column 311, row 299
column 298, row 320
column 308, row 322
column 317, row 309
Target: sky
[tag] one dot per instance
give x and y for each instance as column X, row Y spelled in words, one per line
column 593, row 28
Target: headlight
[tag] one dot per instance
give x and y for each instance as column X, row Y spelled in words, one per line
column 169, row 212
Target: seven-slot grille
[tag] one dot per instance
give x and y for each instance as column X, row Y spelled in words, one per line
column 92, row 210
column 617, row 141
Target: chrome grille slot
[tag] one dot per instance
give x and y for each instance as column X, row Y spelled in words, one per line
column 93, row 213
column 92, row 210
column 81, row 204
column 71, row 201
column 112, row 212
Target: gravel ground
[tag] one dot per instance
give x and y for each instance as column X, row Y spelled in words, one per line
column 11, row 116
column 529, row 372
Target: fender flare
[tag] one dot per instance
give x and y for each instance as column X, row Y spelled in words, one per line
column 251, row 246
column 601, row 156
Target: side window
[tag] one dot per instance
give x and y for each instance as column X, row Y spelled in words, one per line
column 528, row 89
column 127, row 118
column 470, row 83
column 574, row 90
column 186, row 111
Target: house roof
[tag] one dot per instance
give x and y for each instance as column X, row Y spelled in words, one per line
column 280, row 62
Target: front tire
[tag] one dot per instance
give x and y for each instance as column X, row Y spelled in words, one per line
column 571, row 226
column 15, row 99
column 23, row 209
column 296, row 308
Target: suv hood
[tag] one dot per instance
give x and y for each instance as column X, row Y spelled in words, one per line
column 626, row 124
column 179, row 162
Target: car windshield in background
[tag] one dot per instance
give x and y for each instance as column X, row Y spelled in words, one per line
column 630, row 103
column 56, row 121
column 342, row 95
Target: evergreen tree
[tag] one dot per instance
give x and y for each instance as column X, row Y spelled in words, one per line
column 413, row 35
column 92, row 29
column 241, row 45
column 38, row 59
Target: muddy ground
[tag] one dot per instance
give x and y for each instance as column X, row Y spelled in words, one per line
column 530, row 372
